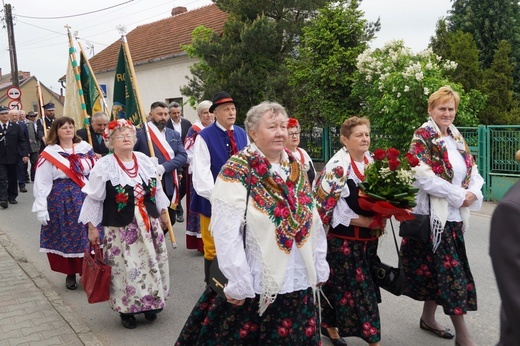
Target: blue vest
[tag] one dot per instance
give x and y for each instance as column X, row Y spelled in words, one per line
column 219, row 147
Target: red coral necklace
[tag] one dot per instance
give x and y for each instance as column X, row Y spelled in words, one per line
column 355, row 168
column 132, row 172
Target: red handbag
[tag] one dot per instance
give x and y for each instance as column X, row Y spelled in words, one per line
column 96, row 276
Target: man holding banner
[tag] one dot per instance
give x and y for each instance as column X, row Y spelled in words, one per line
column 169, row 151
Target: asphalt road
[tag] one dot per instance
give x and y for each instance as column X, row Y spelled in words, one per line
column 399, row 315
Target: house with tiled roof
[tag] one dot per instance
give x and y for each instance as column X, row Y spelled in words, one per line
column 160, row 64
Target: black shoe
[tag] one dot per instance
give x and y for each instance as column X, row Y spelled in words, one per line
column 70, row 282
column 180, row 218
column 336, row 342
column 128, row 321
column 13, row 201
column 4, row 204
column 445, row 333
column 150, row 316
column 23, row 189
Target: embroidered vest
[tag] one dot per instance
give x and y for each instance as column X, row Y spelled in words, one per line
column 118, row 211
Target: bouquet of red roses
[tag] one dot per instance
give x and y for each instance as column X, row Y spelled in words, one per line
column 387, row 188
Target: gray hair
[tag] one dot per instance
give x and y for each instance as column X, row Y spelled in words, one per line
column 99, row 115
column 174, row 104
column 254, row 114
column 203, row 105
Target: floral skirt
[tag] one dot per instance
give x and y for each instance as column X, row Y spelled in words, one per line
column 64, row 235
column 140, row 276
column 290, row 320
column 351, row 291
column 443, row 276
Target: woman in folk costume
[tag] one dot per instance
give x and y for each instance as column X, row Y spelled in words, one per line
column 351, row 240
column 193, row 236
column 293, row 142
column 270, row 295
column 438, row 272
column 62, row 170
column 124, row 196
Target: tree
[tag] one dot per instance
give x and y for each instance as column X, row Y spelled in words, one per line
column 489, row 22
column 459, row 47
column 497, row 86
column 394, row 85
column 322, row 70
column 247, row 59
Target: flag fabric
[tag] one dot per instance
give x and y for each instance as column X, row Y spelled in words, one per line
column 126, row 104
column 73, row 104
column 93, row 98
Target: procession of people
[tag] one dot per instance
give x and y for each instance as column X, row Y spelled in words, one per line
column 284, row 233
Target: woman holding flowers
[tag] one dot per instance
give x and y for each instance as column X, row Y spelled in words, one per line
column 352, row 240
column 438, row 272
column 273, row 274
column 123, row 195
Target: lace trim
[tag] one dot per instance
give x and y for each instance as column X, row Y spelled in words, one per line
column 91, row 211
column 110, row 171
column 342, row 214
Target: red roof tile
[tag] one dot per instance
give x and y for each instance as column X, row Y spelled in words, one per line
column 162, row 38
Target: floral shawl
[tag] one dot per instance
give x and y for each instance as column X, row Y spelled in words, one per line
column 429, row 146
column 331, row 181
column 282, row 209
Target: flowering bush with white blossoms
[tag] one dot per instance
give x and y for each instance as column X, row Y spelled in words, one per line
column 393, row 85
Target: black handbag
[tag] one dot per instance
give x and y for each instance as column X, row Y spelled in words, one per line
column 417, row 229
column 387, row 277
column 217, row 279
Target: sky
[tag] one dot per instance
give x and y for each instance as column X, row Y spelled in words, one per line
column 42, row 43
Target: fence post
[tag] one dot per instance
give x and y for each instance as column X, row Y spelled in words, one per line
column 325, row 144
column 484, row 162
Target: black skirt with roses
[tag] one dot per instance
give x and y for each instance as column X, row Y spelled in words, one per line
column 290, row 320
column 443, row 276
column 352, row 293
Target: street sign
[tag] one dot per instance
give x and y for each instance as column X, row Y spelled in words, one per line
column 15, row 104
column 14, row 93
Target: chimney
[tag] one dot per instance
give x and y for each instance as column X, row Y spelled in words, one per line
column 178, row 10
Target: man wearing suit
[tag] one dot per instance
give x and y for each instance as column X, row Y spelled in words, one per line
column 504, row 249
column 98, row 123
column 34, row 141
column 21, row 169
column 12, row 145
column 178, row 123
column 49, row 116
column 169, row 151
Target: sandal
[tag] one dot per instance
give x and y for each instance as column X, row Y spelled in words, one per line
column 128, row 321
column 70, row 282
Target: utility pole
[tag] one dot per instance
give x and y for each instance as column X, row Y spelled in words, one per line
column 12, row 46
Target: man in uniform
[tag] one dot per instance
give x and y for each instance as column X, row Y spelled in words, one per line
column 12, row 146
column 49, row 116
column 34, row 141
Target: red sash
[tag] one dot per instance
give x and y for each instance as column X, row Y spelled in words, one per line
column 164, row 152
column 61, row 166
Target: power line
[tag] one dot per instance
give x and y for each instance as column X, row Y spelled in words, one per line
column 75, row 15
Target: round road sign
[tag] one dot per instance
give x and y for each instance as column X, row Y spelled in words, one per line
column 14, row 93
column 15, row 104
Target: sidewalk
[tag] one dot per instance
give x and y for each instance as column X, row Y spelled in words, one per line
column 31, row 312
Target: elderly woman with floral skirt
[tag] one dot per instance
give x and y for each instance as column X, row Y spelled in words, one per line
column 125, row 196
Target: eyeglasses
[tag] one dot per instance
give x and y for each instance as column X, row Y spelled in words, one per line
column 120, row 137
column 294, row 134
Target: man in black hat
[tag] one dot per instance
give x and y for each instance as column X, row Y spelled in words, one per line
column 214, row 145
column 34, row 141
column 49, row 116
column 12, row 145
